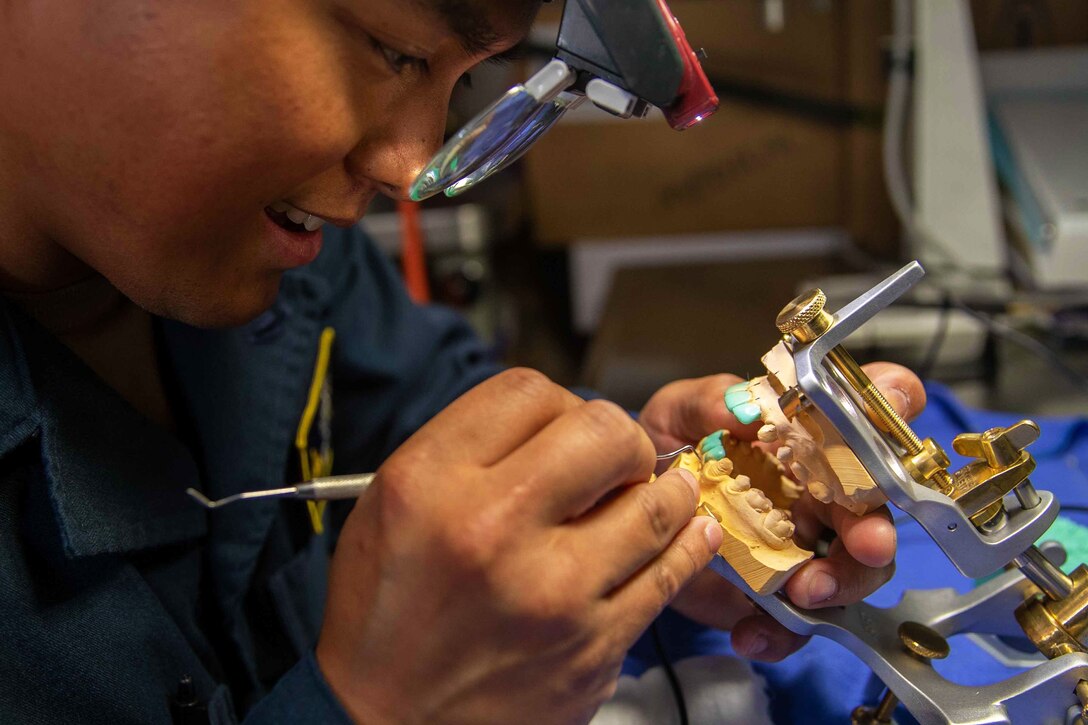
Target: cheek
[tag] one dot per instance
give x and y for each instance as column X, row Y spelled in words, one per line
column 225, row 113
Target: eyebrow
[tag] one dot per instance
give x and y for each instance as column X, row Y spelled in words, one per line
column 472, row 27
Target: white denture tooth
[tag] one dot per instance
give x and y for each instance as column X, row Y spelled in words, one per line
column 758, row 500
column 801, row 471
column 296, row 215
column 279, row 206
column 821, row 491
column 768, row 433
column 313, row 223
column 785, row 454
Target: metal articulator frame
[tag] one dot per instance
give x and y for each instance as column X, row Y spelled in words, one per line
column 975, row 553
column 870, row 633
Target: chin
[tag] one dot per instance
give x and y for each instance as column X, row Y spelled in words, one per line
column 212, row 309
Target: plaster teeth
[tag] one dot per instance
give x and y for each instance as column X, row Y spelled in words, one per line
column 768, row 433
column 758, row 500
column 740, row 484
column 785, row 454
column 783, row 529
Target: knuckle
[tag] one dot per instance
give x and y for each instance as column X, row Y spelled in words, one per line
column 529, row 383
column 610, row 422
column 475, row 542
column 693, row 558
column 395, row 481
column 656, row 512
column 667, row 581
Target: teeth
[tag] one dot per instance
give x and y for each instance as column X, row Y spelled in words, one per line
column 776, row 515
column 768, row 433
column 740, row 484
column 309, row 221
column 758, row 500
column 821, row 491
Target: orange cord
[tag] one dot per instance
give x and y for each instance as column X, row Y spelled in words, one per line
column 413, row 257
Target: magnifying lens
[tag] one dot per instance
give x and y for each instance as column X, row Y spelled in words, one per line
column 624, row 57
column 499, row 134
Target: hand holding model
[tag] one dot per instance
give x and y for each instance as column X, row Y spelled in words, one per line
column 506, row 558
column 861, row 558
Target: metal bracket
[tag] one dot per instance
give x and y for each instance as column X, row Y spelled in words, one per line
column 974, row 553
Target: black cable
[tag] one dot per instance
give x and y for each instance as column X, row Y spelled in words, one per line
column 1027, row 342
column 929, row 362
column 674, row 681
column 1011, row 334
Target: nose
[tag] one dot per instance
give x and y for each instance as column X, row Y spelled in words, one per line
column 397, row 149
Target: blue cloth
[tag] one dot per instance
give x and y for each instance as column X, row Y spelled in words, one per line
column 823, row 682
column 113, row 585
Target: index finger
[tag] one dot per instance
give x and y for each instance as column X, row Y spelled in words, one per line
column 579, row 458
column 492, row 419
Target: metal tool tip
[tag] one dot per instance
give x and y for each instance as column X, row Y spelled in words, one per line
column 200, row 498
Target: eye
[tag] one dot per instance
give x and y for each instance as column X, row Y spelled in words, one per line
column 398, row 62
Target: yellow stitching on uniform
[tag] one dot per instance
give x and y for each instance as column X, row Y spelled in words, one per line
column 318, row 466
column 317, row 515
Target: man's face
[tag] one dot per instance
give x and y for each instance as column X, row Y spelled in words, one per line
column 150, row 139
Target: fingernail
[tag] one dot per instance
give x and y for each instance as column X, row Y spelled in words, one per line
column 895, row 396
column 713, row 533
column 756, row 646
column 689, row 477
column 822, row 587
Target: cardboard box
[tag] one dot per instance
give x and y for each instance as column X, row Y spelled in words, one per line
column 1001, row 24
column 745, row 168
column 771, row 164
column 830, row 51
column 752, row 165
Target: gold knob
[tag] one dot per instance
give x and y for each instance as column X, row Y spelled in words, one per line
column 920, row 641
column 923, row 642
column 805, row 317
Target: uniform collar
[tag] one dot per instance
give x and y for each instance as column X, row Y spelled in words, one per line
column 116, row 482
column 247, row 387
column 18, row 404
